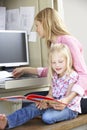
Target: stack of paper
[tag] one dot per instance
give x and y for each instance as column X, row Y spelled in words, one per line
column 5, row 74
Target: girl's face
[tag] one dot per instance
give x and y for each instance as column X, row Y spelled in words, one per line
column 39, row 29
column 59, row 63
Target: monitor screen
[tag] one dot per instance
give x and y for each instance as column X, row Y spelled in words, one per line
column 13, row 48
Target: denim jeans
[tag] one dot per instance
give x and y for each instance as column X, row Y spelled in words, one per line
column 49, row 116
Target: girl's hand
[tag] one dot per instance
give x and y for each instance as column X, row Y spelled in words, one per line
column 42, row 104
column 59, row 105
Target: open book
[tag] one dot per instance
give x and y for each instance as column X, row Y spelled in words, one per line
column 32, row 98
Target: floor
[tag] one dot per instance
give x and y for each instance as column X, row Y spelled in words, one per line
column 37, row 124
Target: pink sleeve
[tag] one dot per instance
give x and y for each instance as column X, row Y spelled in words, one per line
column 42, row 71
column 78, row 59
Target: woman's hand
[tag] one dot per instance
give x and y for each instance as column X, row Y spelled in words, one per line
column 18, row 72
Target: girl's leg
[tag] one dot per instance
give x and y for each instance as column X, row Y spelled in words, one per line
column 51, row 116
column 23, row 115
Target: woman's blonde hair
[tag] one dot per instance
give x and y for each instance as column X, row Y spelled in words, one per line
column 64, row 50
column 52, row 24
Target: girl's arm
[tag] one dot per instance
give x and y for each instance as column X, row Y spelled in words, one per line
column 65, row 101
column 68, row 98
column 50, row 92
column 69, row 89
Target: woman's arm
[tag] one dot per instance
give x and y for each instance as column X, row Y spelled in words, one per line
column 77, row 54
column 78, row 59
column 40, row 71
column 24, row 70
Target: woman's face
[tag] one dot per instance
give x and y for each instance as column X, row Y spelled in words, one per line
column 39, row 29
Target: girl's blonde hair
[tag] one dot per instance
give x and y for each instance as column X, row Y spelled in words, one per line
column 64, row 50
column 52, row 24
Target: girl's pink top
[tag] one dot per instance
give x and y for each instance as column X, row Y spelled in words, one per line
column 78, row 61
column 60, row 86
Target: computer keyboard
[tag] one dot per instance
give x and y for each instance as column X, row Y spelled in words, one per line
column 24, row 76
column 2, row 81
column 5, row 74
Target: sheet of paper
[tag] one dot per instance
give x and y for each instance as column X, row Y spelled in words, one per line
column 32, row 37
column 2, row 18
column 27, row 18
column 12, row 19
column 5, row 74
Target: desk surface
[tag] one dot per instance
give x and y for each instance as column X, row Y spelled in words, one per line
column 24, row 82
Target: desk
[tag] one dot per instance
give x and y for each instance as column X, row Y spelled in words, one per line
column 20, row 86
column 24, row 82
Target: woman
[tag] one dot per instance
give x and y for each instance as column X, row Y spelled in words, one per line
column 50, row 26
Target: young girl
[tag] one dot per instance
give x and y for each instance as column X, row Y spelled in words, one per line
column 50, row 26
column 63, row 77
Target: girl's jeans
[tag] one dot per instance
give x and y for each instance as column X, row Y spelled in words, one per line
column 49, row 116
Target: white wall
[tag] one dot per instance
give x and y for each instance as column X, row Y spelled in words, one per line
column 75, row 16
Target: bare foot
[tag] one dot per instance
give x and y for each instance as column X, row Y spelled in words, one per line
column 3, row 121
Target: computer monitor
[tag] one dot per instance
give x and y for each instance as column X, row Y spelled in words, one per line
column 13, row 48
